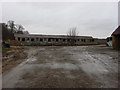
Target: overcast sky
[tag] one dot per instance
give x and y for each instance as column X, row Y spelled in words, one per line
column 97, row 19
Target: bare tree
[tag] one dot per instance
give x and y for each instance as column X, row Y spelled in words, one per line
column 72, row 33
column 26, row 32
column 11, row 25
column 10, row 28
column 15, row 28
column 19, row 29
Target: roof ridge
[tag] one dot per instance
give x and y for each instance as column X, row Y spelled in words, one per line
column 117, row 31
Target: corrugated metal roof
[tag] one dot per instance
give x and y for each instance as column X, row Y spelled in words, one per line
column 117, row 31
column 48, row 36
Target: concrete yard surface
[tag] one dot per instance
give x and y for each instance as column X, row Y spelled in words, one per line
column 65, row 67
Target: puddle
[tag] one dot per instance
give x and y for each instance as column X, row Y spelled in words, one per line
column 68, row 66
column 93, row 68
column 54, row 65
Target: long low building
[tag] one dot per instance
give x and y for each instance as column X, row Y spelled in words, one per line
column 37, row 39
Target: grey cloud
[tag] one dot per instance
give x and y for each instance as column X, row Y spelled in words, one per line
column 93, row 19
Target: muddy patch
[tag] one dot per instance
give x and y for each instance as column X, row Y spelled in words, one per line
column 65, row 67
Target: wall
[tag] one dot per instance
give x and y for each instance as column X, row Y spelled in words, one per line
column 54, row 41
column 116, row 42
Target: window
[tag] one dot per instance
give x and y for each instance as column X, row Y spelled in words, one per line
column 93, row 40
column 41, row 39
column 56, row 40
column 27, row 39
column 49, row 39
column 82, row 40
column 18, row 38
column 32, row 39
column 23, row 39
column 75, row 40
column 68, row 40
column 53, row 39
column 64, row 40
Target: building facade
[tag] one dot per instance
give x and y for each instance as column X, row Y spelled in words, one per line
column 36, row 40
column 116, row 39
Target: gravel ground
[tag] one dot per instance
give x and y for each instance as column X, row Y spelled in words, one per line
column 65, row 67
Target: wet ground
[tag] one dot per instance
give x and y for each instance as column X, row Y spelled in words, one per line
column 65, row 67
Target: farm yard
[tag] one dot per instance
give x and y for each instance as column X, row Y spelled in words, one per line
column 60, row 45
column 60, row 67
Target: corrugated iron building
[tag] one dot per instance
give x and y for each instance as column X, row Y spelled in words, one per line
column 116, row 39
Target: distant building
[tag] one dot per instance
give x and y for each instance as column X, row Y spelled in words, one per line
column 100, row 41
column 116, row 39
column 34, row 39
column 109, row 41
